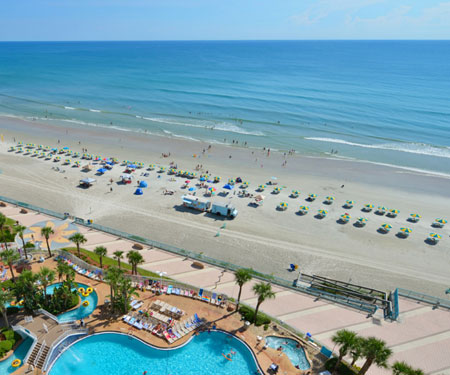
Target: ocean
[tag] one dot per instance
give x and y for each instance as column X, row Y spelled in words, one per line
column 383, row 102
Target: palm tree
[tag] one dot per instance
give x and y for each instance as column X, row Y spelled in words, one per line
column 2, row 226
column 5, row 299
column 112, row 277
column 101, row 251
column 46, row 276
column 346, row 340
column 375, row 351
column 46, row 232
column 263, row 291
column 78, row 239
column 20, row 231
column 402, row 368
column 118, row 255
column 10, row 257
column 241, row 276
column 134, row 258
column 356, row 350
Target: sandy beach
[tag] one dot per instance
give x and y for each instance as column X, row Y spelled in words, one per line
column 263, row 238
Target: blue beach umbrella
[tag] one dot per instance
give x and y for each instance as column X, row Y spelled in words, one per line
column 138, row 191
column 192, row 189
column 228, row 187
column 131, row 166
column 143, row 184
column 101, row 170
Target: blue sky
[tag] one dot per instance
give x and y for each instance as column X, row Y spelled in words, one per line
column 223, row 19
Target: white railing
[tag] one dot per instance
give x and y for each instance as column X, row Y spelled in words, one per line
column 38, row 354
column 59, row 340
column 30, row 334
column 46, row 313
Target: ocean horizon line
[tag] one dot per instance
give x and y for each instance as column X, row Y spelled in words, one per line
column 220, row 40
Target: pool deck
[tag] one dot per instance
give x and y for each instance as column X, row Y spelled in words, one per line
column 421, row 336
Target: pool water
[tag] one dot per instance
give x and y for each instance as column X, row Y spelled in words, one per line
column 80, row 312
column 119, row 354
column 296, row 355
column 19, row 353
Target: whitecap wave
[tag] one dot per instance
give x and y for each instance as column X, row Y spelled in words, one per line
column 223, row 126
column 71, row 108
column 413, row 148
column 94, row 110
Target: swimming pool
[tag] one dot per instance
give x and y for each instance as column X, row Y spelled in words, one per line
column 81, row 311
column 119, row 354
column 19, row 353
column 296, row 355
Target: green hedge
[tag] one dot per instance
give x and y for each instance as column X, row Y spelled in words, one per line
column 248, row 314
column 8, row 339
column 343, row 368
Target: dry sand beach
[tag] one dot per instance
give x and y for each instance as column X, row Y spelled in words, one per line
column 263, row 238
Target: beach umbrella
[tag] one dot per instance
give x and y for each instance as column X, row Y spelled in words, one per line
column 303, row 209
column 311, row 197
column 151, row 166
column 329, row 199
column 192, row 189
column 277, row 190
column 368, row 206
column 101, row 170
column 212, row 189
column 77, row 163
column 245, row 184
column 435, row 236
column 228, row 187
column 231, row 181
column 361, row 220
column 143, row 184
column 20, row 143
column 202, row 179
column 138, row 191
column 415, row 216
column 132, row 166
column 349, row 203
column 346, row 217
column 40, row 147
column 386, row 226
column 394, row 211
column 295, row 193
column 217, row 179
column 382, row 209
column 67, row 161
column 187, row 181
column 283, row 206
column 441, row 221
column 65, row 148
column 261, row 187
column 323, row 212
column 162, row 169
column 406, row 230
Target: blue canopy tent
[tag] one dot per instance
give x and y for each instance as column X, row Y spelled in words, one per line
column 143, row 184
column 228, row 187
column 101, row 170
column 138, row 191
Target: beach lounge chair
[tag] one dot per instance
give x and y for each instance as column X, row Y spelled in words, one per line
column 138, row 305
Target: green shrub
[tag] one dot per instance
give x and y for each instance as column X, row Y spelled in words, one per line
column 248, row 314
column 343, row 368
column 5, row 346
column 266, row 327
column 9, row 334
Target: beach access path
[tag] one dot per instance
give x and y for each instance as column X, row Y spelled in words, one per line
column 421, row 336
